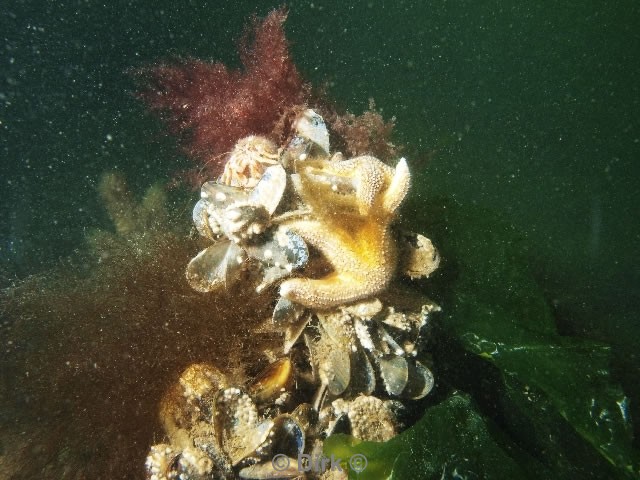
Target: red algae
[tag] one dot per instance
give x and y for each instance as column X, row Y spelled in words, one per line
column 212, row 106
column 365, row 134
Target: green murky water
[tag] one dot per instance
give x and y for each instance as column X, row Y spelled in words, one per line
column 522, row 129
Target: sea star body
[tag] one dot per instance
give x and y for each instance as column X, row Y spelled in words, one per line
column 353, row 203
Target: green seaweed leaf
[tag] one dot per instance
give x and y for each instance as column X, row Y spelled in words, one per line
column 452, row 440
column 499, row 314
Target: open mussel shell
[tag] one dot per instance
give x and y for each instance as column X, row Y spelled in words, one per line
column 419, row 383
column 285, row 442
column 214, row 267
column 272, row 381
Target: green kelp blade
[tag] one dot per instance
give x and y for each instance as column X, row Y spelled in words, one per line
column 558, row 387
column 452, row 440
column 570, row 377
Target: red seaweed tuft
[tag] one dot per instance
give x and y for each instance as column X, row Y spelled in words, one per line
column 212, row 106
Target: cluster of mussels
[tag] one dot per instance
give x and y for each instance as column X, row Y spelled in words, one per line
column 320, row 228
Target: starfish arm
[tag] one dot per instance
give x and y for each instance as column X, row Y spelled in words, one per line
column 398, row 187
column 315, row 233
column 336, row 289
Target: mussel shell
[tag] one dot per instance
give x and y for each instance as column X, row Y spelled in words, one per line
column 311, row 126
column 201, row 219
column 266, row 470
column 287, row 436
column 235, row 420
column 338, row 326
column 394, row 372
column 281, row 252
column 214, row 267
column 287, row 311
column 363, row 376
column 305, row 415
column 220, row 196
column 419, row 383
column 331, row 362
column 269, row 190
column 292, row 333
column 366, row 309
column 272, row 381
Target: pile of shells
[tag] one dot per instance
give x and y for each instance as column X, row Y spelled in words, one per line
column 346, row 368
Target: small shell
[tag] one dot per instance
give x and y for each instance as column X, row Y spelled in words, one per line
column 272, row 381
column 214, row 267
column 420, row 382
column 309, row 125
column 235, row 420
column 419, row 257
column 394, row 372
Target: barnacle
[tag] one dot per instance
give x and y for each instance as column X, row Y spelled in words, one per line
column 248, row 161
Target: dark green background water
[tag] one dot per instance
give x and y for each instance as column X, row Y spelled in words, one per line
column 533, row 110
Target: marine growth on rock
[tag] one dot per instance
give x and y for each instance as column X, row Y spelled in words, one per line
column 283, row 214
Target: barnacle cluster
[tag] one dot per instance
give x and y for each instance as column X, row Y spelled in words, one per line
column 318, row 230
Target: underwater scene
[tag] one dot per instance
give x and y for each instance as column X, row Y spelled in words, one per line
column 319, row 240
